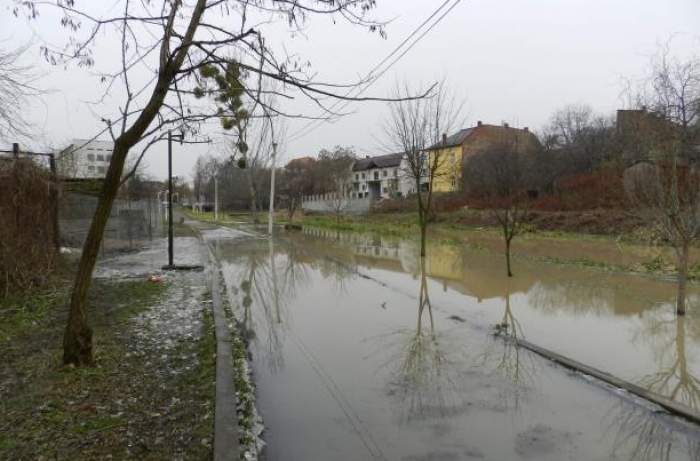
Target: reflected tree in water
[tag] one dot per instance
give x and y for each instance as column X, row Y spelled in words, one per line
column 643, row 435
column 266, row 284
column 675, row 378
column 423, row 375
column 507, row 358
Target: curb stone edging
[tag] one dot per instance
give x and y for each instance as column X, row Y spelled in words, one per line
column 671, row 406
column 226, row 432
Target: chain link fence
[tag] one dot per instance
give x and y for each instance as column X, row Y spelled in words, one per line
column 132, row 224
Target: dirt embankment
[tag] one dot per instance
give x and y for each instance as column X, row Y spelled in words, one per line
column 598, row 222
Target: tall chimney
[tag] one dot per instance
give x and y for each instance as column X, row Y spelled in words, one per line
column 526, row 129
column 444, row 138
column 478, row 123
column 505, row 125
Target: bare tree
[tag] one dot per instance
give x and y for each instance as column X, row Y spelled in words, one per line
column 579, row 138
column 161, row 46
column 333, row 169
column 205, row 168
column 333, row 175
column 249, row 110
column 664, row 190
column 666, row 195
column 411, row 128
column 16, row 89
column 297, row 179
column 258, row 161
column 496, row 175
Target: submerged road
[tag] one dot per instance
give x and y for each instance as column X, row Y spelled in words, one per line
column 366, row 362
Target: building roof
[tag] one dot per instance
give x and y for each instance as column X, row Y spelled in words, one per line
column 382, row 161
column 453, row 140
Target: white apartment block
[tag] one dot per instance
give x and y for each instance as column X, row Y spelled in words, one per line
column 84, row 159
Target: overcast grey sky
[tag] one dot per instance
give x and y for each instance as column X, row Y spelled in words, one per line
column 511, row 60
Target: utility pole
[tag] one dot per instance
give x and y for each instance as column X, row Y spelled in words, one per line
column 216, row 197
column 170, row 195
column 272, row 189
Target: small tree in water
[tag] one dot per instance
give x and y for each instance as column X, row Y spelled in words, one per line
column 663, row 188
column 496, row 176
column 412, row 128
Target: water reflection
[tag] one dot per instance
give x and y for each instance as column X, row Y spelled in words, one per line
column 505, row 357
column 610, row 320
column 642, row 435
column 514, row 364
column 423, row 378
column 674, row 377
column 265, row 281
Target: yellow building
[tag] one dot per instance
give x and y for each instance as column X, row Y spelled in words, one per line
column 449, row 156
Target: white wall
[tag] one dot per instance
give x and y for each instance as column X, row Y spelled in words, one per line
column 85, row 159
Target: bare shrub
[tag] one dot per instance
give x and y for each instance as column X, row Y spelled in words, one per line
column 28, row 256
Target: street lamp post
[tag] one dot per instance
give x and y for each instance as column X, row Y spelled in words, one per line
column 272, row 190
column 216, row 197
column 170, row 194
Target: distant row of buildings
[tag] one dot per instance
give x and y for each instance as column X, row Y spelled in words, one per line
column 389, row 176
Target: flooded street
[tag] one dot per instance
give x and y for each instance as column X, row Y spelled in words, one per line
column 362, row 352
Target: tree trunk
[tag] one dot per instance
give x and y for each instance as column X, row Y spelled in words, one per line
column 423, row 235
column 680, row 350
column 292, row 208
column 77, row 339
column 253, row 197
column 682, row 279
column 510, row 274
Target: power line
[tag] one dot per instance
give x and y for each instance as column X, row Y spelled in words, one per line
column 311, row 126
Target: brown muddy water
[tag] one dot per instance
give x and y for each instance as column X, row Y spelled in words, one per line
column 360, row 352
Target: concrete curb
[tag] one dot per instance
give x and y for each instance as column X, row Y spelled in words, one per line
column 226, row 444
column 226, row 431
column 667, row 404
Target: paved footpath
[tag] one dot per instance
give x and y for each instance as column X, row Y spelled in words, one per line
column 190, row 252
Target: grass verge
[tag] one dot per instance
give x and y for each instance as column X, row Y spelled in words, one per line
column 138, row 402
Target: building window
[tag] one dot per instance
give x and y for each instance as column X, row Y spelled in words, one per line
column 385, row 190
column 376, row 175
column 357, row 177
column 364, row 186
column 385, row 173
column 363, row 176
column 91, row 157
column 100, row 169
column 396, row 172
column 108, row 158
column 91, row 168
column 100, row 158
